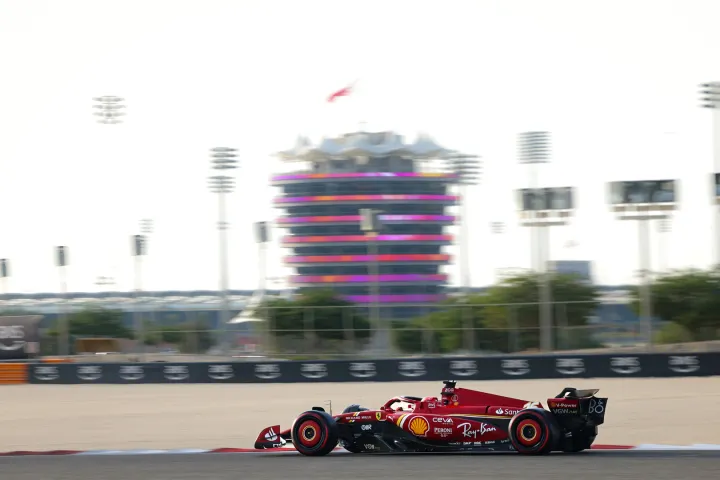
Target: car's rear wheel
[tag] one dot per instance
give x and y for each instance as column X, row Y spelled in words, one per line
column 533, row 432
column 314, row 433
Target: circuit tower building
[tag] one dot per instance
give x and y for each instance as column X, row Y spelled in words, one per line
column 321, row 198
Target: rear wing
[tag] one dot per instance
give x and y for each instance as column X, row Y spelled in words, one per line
column 572, row 402
column 570, row 392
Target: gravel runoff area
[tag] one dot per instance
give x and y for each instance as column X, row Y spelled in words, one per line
column 100, row 417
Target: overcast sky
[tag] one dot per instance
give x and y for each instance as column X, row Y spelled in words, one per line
column 614, row 81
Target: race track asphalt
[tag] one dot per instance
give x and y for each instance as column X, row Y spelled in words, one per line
column 593, row 465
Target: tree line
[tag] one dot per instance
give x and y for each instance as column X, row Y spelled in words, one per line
column 504, row 318
column 99, row 322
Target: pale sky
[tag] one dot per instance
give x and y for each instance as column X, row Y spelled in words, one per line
column 614, row 81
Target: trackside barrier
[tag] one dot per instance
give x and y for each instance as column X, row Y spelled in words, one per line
column 391, row 370
column 13, row 373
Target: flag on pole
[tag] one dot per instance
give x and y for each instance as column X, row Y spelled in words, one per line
column 343, row 92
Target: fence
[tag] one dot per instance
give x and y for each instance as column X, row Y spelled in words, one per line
column 404, row 330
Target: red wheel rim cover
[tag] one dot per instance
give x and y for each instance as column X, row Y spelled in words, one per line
column 306, row 427
column 528, row 442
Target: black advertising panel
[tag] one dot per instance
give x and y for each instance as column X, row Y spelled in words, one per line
column 555, row 198
column 569, row 367
column 643, row 192
column 19, row 337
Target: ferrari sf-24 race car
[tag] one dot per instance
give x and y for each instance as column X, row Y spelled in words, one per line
column 461, row 420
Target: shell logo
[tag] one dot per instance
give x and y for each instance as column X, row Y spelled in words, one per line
column 419, row 426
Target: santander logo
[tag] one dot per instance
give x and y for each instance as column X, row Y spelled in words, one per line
column 506, row 411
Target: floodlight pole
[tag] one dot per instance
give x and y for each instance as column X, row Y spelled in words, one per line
column 138, row 251
column 534, row 149
column 645, row 265
column 262, row 237
column 642, row 211
column 109, row 109
column 467, row 168
column 61, row 261
column 147, row 227
column 223, row 158
column 664, row 228
column 4, row 275
column 497, row 228
column 710, row 98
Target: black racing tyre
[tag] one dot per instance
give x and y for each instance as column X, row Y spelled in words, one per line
column 533, row 432
column 314, row 433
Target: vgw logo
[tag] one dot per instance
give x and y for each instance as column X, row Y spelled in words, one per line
column 363, row 369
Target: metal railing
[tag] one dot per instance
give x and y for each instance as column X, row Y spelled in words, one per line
column 333, row 332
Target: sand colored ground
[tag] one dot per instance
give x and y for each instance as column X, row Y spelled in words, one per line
column 43, row 417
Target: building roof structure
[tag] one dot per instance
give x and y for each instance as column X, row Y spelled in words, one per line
column 365, row 144
column 192, row 299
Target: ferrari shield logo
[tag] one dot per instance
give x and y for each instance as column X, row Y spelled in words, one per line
column 378, row 415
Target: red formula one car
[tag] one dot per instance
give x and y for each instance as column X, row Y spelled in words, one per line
column 461, row 420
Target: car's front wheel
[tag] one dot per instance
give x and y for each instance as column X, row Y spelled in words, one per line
column 314, row 433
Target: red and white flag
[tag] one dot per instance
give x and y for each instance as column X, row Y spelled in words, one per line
column 343, row 92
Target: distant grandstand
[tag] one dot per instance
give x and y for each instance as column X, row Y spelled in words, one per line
column 177, row 306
